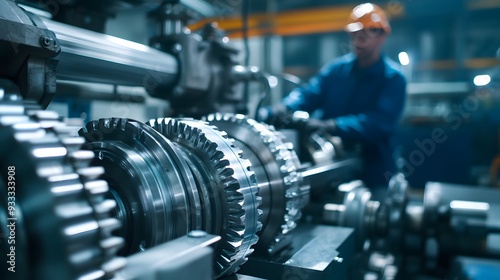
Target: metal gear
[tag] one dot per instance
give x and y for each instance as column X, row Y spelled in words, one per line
column 173, row 176
column 63, row 230
column 148, row 179
column 395, row 205
column 360, row 213
column 277, row 170
column 227, row 180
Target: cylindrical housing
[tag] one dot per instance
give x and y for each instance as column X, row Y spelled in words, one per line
column 93, row 57
column 462, row 219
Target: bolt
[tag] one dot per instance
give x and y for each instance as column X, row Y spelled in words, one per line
column 177, row 48
column 197, row 233
column 339, row 260
column 46, row 41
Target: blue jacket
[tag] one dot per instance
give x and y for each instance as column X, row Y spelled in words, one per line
column 366, row 105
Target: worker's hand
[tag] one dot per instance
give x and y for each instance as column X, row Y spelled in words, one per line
column 316, row 125
column 279, row 116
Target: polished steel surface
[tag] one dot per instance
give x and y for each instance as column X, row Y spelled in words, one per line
column 174, row 176
column 93, row 57
column 462, row 219
column 395, row 204
column 60, row 209
column 356, row 213
column 225, row 181
column 276, row 167
column 26, row 52
column 340, row 171
column 11, row 12
column 148, row 179
column 317, row 252
column 174, row 260
column 204, row 8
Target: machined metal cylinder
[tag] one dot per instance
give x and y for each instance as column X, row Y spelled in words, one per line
column 462, row 219
column 276, row 168
column 93, row 57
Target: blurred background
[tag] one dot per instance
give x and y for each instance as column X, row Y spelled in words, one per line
column 449, row 50
column 114, row 68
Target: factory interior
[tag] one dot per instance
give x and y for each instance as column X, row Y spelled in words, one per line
column 249, row 139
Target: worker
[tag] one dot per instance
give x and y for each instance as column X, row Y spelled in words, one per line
column 359, row 96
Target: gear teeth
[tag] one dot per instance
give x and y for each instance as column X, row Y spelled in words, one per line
column 73, row 141
column 111, row 245
column 98, row 274
column 235, row 197
column 73, row 231
column 73, row 210
column 45, row 115
column 12, row 120
column 54, row 124
column 109, row 224
column 285, row 157
column 28, row 135
column 11, row 110
column 81, row 159
column 97, row 187
column 235, row 245
column 91, row 126
column 224, row 172
column 56, row 157
column 259, row 200
column 231, row 184
column 106, row 123
column 63, row 178
column 105, row 207
column 259, row 225
column 49, row 119
column 114, row 265
column 220, row 154
column 220, row 165
column 214, row 155
column 26, row 127
column 60, row 128
column 91, row 173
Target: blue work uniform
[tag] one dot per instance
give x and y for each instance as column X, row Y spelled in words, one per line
column 366, row 104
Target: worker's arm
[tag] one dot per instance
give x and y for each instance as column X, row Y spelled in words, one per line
column 305, row 98
column 309, row 97
column 379, row 122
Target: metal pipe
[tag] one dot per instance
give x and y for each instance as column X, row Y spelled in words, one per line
column 332, row 213
column 324, row 176
column 93, row 57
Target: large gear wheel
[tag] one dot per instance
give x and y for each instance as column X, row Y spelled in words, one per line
column 231, row 186
column 277, row 170
column 175, row 176
column 148, row 179
column 62, row 223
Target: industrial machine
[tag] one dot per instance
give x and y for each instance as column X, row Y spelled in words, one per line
column 204, row 193
column 422, row 233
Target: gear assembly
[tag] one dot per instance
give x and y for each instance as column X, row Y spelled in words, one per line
column 206, row 192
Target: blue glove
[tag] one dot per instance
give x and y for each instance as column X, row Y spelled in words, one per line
column 315, row 125
column 278, row 116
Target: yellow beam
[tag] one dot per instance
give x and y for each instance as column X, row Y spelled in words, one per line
column 472, row 63
column 298, row 22
column 478, row 63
